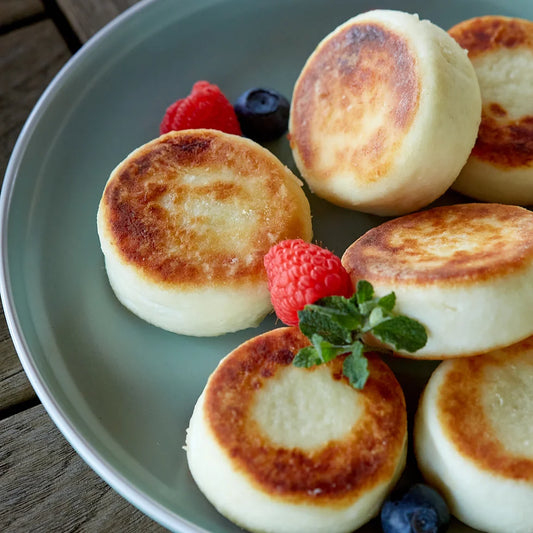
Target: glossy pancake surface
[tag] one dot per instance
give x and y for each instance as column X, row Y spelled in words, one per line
column 184, row 223
column 500, row 168
column 378, row 91
column 301, row 447
column 474, row 437
column 466, row 269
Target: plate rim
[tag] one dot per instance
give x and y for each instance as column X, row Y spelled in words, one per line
column 103, row 468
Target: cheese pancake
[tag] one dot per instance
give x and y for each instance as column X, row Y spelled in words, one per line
column 277, row 448
column 384, row 113
column 474, row 438
column 500, row 168
column 184, row 223
column 464, row 271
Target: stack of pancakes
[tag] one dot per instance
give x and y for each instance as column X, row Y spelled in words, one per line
column 384, row 116
column 500, row 167
column 282, row 449
column 466, row 273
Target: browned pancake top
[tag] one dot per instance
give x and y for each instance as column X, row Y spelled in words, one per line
column 501, row 141
column 363, row 78
column 486, row 34
column 333, row 474
column 199, row 207
column 463, row 416
column 450, row 244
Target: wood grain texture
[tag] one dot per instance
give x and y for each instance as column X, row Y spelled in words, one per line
column 87, row 17
column 15, row 11
column 44, row 485
column 29, row 59
column 47, row 487
column 14, row 385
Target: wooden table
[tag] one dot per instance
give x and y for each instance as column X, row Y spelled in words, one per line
column 44, row 485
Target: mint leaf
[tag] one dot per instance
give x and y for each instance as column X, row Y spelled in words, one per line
column 402, row 332
column 326, row 350
column 367, row 302
column 364, row 292
column 320, row 352
column 340, row 303
column 307, row 357
column 387, row 302
column 355, row 366
column 376, row 317
column 336, row 325
column 330, row 323
column 347, row 315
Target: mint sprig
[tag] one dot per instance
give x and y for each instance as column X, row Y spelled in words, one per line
column 336, row 325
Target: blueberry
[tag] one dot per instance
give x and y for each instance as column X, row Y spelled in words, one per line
column 420, row 510
column 263, row 114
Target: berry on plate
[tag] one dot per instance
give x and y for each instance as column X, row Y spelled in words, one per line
column 263, row 114
column 300, row 273
column 205, row 107
column 420, row 510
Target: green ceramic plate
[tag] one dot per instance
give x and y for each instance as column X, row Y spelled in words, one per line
column 120, row 390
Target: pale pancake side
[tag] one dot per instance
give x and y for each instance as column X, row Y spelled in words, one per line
column 200, row 208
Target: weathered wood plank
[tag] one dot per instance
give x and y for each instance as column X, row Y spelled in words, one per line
column 29, row 58
column 14, row 385
column 46, row 486
column 87, row 17
column 14, row 11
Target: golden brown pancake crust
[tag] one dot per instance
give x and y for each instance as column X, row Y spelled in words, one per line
column 364, row 68
column 170, row 244
column 488, row 33
column 463, row 419
column 501, row 141
column 451, row 244
column 334, row 474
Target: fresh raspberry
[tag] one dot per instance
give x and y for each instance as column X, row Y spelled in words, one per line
column 300, row 273
column 205, row 107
